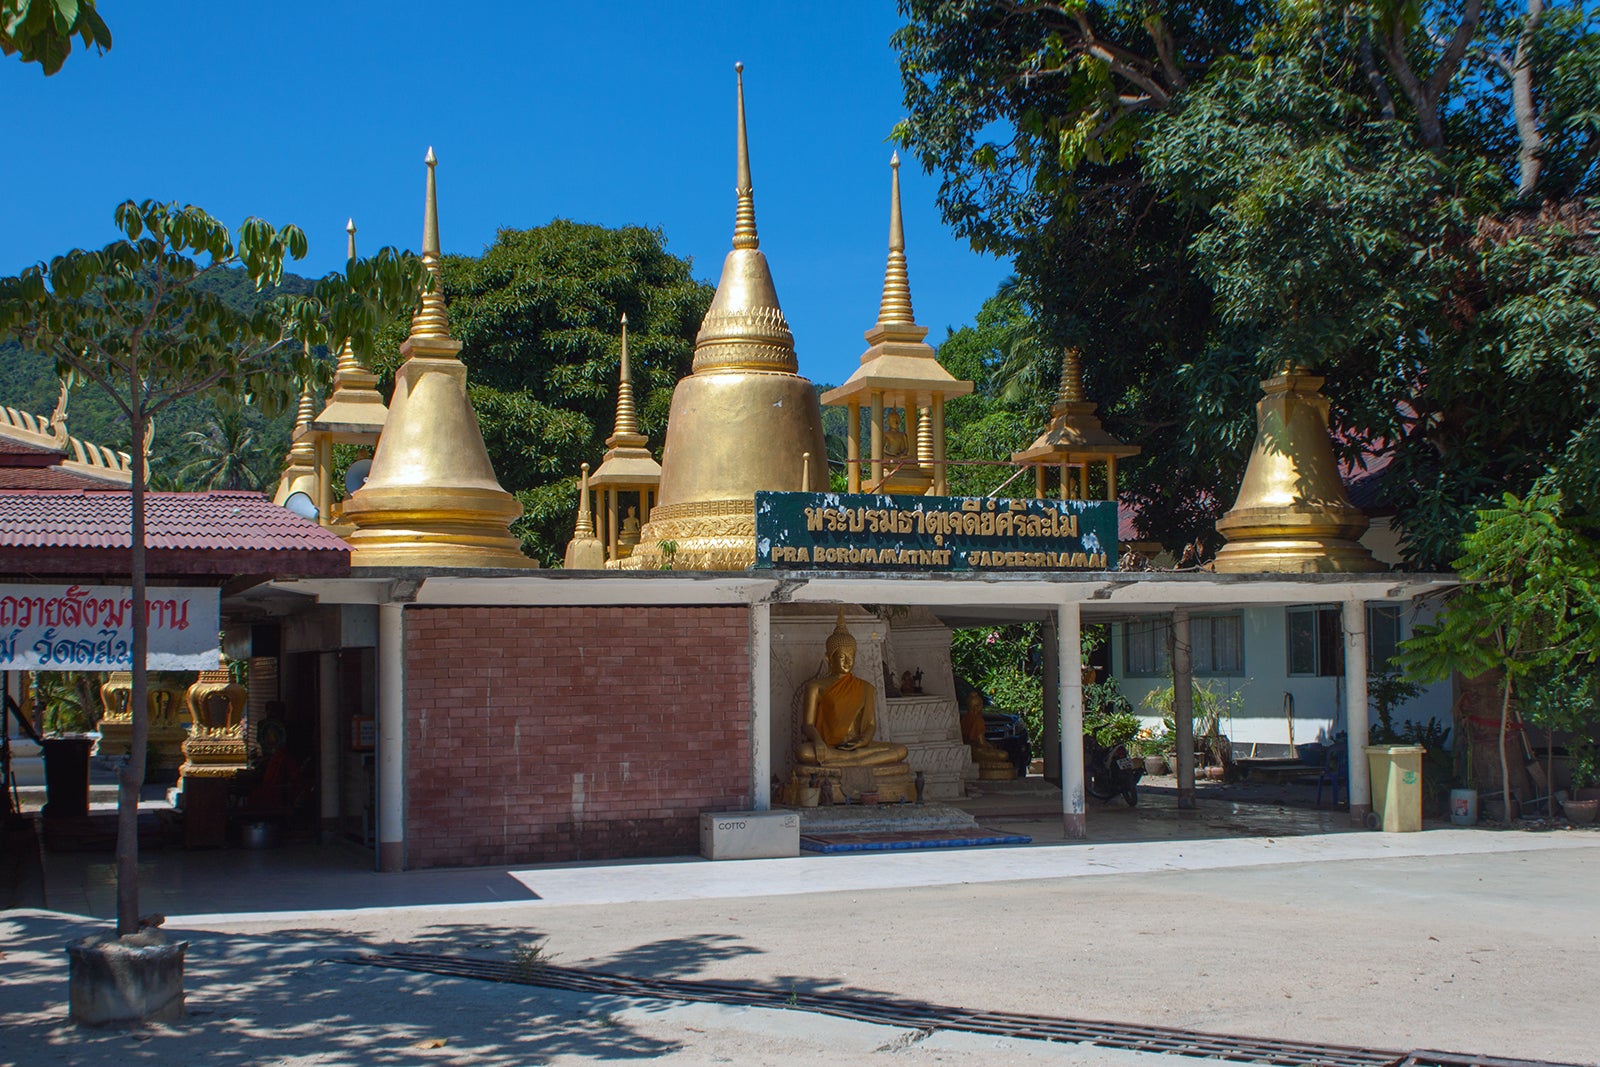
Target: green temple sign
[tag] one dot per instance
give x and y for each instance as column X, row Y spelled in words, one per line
column 858, row 531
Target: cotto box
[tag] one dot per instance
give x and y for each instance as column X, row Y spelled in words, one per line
column 749, row 835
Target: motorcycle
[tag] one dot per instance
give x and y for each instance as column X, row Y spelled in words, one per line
column 1111, row 771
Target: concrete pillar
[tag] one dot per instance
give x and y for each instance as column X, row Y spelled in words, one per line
column 1051, row 738
column 877, row 443
column 391, row 737
column 1069, row 651
column 328, row 746
column 1183, row 704
column 760, row 706
column 1355, row 688
column 852, row 448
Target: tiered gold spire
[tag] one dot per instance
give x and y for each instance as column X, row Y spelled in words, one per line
column 743, row 420
column 432, row 498
column 300, row 469
column 628, row 467
column 1074, row 439
column 1292, row 513
column 898, row 370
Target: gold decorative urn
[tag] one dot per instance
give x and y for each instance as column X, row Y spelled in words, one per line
column 163, row 703
column 216, row 746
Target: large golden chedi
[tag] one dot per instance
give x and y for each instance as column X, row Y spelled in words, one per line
column 742, row 421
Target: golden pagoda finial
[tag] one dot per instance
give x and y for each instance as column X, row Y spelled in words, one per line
column 348, row 363
column 430, row 319
column 627, row 416
column 895, row 307
column 1071, row 389
column 305, row 414
column 585, row 527
column 744, row 218
column 925, row 436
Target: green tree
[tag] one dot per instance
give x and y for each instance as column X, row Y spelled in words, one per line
column 1528, row 608
column 1395, row 194
column 132, row 319
column 539, row 313
column 41, row 31
column 228, row 452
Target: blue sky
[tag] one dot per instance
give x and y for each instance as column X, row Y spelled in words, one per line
column 613, row 113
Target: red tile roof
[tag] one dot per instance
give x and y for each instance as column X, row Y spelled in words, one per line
column 216, row 532
column 53, row 476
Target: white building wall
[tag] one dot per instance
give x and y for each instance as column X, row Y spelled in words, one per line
column 1318, row 702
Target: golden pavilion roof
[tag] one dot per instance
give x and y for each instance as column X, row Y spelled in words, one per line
column 1074, row 434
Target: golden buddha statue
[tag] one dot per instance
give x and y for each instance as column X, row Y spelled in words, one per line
column 840, row 726
column 993, row 763
column 896, row 442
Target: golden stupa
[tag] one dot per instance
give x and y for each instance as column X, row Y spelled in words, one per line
column 432, row 498
column 1073, row 440
column 300, row 467
column 1292, row 513
column 742, row 421
column 585, row 552
column 627, row 470
column 899, row 373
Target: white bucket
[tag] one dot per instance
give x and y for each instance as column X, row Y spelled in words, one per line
column 1464, row 807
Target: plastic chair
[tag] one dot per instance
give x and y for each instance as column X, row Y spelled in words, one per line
column 1335, row 773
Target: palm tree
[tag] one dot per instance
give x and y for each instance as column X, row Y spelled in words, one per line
column 227, row 452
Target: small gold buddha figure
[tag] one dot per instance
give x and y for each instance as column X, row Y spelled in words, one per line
column 993, row 763
column 896, row 442
column 628, row 539
column 841, row 719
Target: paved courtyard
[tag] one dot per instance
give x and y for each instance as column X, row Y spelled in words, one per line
column 1449, row 939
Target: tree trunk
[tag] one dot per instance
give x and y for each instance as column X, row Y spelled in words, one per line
column 1505, row 767
column 131, row 777
column 1530, row 153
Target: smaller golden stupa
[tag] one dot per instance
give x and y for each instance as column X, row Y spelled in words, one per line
column 432, row 498
column 1073, row 440
column 300, row 468
column 1292, row 514
column 627, row 472
column 585, row 552
column 901, row 379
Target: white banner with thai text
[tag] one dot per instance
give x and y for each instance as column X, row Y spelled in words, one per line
column 90, row 628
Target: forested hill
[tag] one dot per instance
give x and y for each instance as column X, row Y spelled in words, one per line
column 179, row 458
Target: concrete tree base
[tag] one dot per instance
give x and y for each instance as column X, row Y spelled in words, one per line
column 127, row 981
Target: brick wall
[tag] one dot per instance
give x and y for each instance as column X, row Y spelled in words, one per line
column 537, row 735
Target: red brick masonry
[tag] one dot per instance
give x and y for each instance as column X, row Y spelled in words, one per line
column 536, row 735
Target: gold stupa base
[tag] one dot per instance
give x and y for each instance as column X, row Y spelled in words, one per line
column 424, row 526
column 1299, row 539
column 708, row 535
column 997, row 772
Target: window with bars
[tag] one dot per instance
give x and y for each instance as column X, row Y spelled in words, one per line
column 1216, row 646
column 1316, row 639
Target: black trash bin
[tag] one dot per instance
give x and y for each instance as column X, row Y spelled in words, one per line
column 66, row 777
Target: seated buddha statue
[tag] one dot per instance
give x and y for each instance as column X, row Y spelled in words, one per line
column 840, row 722
column 993, row 763
column 896, row 442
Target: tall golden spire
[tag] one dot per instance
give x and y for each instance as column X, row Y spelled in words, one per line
column 627, row 418
column 1071, row 388
column 303, row 416
column 1074, row 438
column 743, row 421
column 348, row 363
column 585, row 552
column 744, row 329
column 430, row 319
column 432, row 498
column 744, row 216
column 895, row 307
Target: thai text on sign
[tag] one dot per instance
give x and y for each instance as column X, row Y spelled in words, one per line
column 90, row 627
column 843, row 530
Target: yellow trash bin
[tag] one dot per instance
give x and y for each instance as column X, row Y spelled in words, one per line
column 1396, row 786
